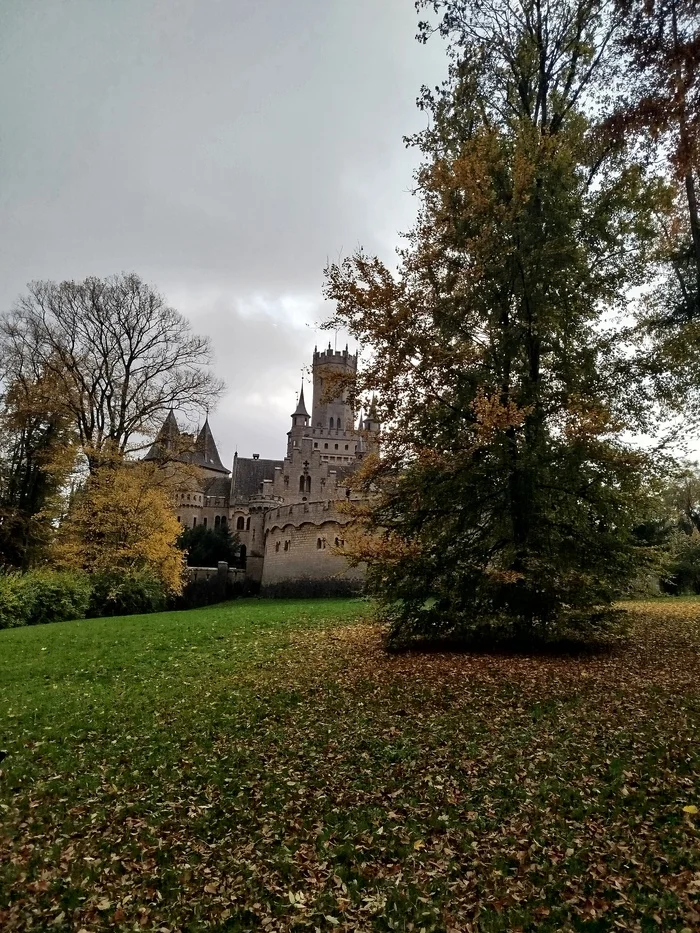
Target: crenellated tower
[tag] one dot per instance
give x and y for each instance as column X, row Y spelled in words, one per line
column 331, row 410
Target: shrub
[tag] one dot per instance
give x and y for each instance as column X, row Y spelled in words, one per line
column 12, row 607
column 55, row 596
column 126, row 592
column 39, row 596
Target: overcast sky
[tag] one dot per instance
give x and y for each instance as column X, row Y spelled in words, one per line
column 221, row 149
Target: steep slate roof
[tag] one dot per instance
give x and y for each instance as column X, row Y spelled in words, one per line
column 202, row 453
column 248, row 474
column 165, row 439
column 205, row 453
column 219, row 486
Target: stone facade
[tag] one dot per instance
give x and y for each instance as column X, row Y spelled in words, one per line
column 284, row 512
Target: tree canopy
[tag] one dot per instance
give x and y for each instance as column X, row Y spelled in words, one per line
column 118, row 356
column 506, row 495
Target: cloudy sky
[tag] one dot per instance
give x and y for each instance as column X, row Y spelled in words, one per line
column 222, row 149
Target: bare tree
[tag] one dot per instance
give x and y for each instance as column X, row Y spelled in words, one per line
column 119, row 353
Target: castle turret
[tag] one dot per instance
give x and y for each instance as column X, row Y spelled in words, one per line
column 372, row 426
column 300, row 421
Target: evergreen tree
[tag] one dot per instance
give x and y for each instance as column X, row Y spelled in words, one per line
column 506, row 497
column 207, row 546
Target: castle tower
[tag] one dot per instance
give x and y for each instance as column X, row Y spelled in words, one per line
column 331, row 411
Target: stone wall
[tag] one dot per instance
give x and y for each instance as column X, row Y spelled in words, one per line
column 304, row 542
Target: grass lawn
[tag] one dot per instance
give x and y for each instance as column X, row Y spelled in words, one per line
column 265, row 766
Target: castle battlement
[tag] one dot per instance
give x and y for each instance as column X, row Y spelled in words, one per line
column 335, row 356
column 299, row 513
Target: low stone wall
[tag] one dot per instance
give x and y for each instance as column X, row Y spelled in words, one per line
column 223, row 571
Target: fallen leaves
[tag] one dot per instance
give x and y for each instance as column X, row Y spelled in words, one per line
column 303, row 779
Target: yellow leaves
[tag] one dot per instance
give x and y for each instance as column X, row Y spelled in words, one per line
column 418, row 845
column 494, row 416
column 123, row 519
column 691, row 809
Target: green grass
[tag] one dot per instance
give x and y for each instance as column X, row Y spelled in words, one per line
column 264, row 765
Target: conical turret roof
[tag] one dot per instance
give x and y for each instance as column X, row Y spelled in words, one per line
column 166, row 438
column 301, row 406
column 205, row 452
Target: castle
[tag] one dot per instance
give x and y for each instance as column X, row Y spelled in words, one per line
column 284, row 512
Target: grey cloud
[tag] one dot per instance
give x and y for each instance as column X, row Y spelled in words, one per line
column 223, row 150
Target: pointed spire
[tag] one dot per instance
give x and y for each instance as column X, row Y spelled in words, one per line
column 206, row 454
column 166, row 438
column 301, row 405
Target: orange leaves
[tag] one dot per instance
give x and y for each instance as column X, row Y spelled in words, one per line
column 493, row 417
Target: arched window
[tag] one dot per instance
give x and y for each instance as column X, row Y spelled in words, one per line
column 217, row 522
column 337, row 542
column 242, row 556
column 331, row 423
column 339, row 424
column 240, row 524
column 301, row 483
column 188, row 497
column 319, row 544
column 286, row 545
column 277, row 546
column 247, row 524
column 204, row 521
column 179, row 519
column 194, row 522
column 308, row 484
column 224, row 521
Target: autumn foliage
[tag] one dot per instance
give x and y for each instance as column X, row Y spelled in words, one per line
column 123, row 520
column 505, row 499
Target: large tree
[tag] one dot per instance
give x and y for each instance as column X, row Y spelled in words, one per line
column 37, row 454
column 119, row 354
column 506, row 495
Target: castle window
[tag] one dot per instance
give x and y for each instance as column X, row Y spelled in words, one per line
column 194, row 522
column 315, row 443
column 240, row 524
column 301, row 484
column 217, row 522
column 346, row 446
column 277, row 546
column 179, row 519
column 188, row 495
column 339, row 425
column 337, row 542
column 308, row 484
column 331, row 423
column 336, row 446
column 325, row 447
column 286, row 545
column 247, row 524
column 319, row 544
column 224, row 521
column 204, row 522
